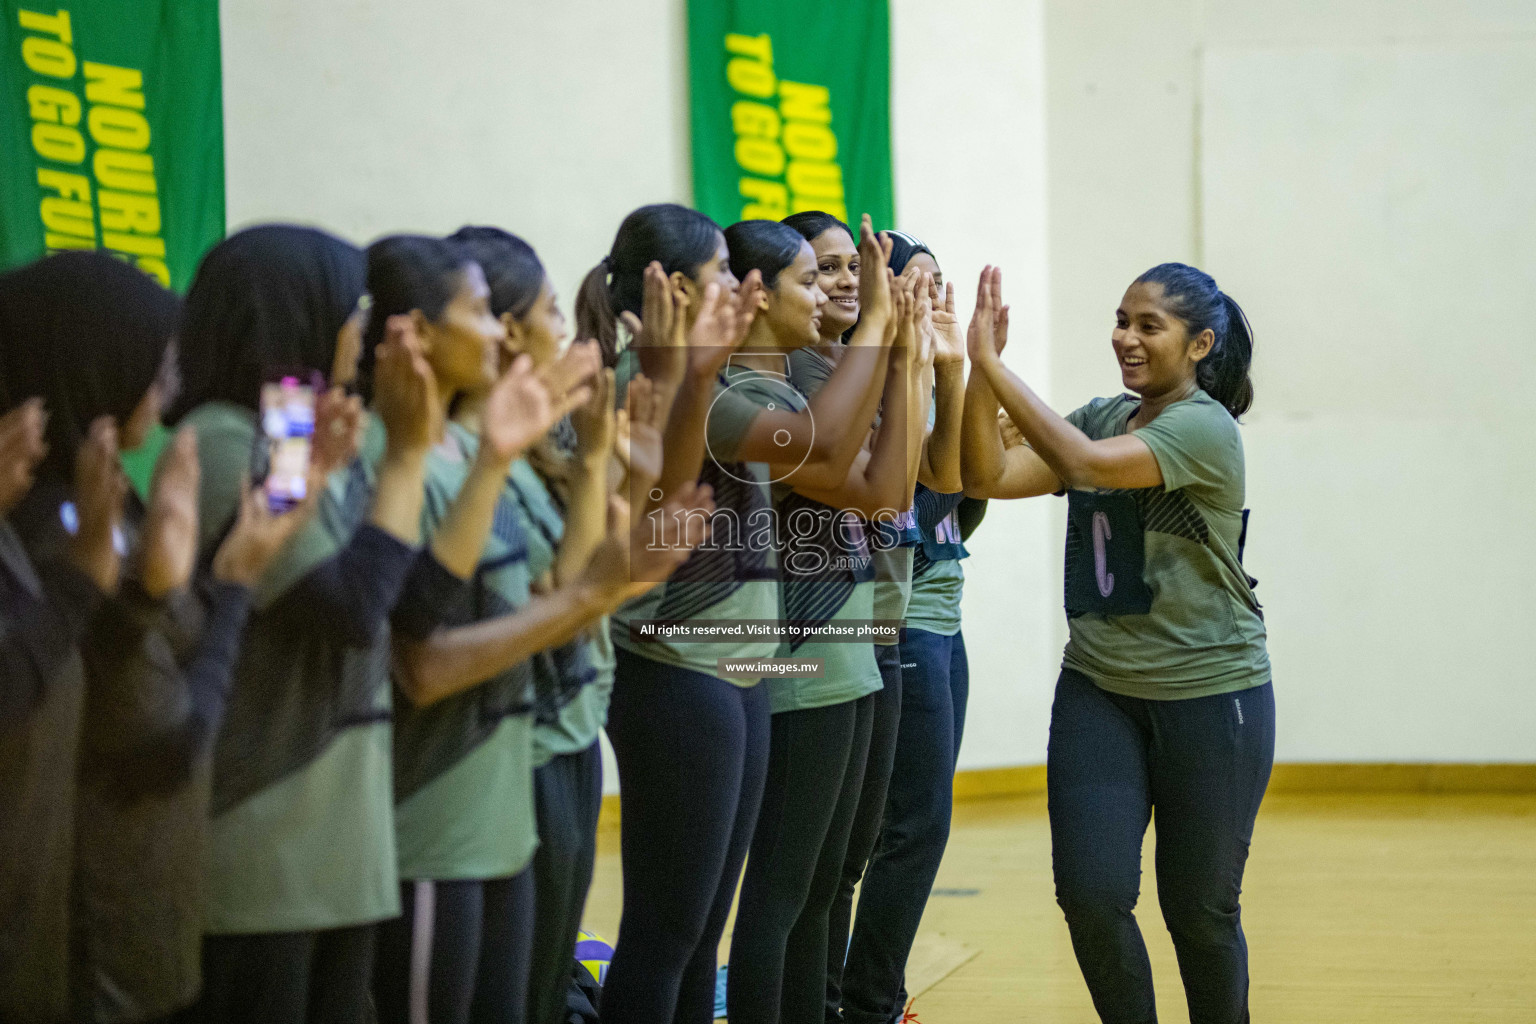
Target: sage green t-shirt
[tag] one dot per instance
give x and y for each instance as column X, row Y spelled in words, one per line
column 476, row 820
column 731, row 415
column 935, row 602
column 849, row 671
column 577, row 724
column 1204, row 634
column 810, row 369
column 316, row 849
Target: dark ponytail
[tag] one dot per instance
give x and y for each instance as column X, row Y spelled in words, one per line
column 1192, row 296
column 407, row 272
column 682, row 240
column 763, row 245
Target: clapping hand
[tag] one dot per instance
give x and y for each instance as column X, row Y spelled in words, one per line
column 258, row 535
column 22, row 448
column 988, row 333
column 405, row 389
column 168, row 541
column 100, row 487
column 949, row 338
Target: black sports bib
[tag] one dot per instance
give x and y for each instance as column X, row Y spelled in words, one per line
column 1106, row 552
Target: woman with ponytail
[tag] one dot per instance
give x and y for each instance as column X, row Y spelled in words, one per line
column 691, row 253
column 1164, row 700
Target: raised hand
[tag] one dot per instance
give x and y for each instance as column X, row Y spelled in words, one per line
column 876, row 283
column 21, row 450
column 405, row 389
column 168, row 542
column 594, row 419
column 659, row 332
column 922, row 316
column 723, row 323
column 99, row 490
column 638, row 437
column 625, row 565
column 690, row 508
column 258, row 535
column 339, row 427
column 949, row 337
column 904, row 313
column 568, row 376
column 984, row 340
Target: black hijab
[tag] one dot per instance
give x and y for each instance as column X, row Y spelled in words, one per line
column 88, row 334
column 267, row 298
column 903, row 248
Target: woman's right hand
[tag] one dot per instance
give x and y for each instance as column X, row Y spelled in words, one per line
column 658, row 334
column 988, row 332
column 875, row 281
column 405, row 390
column 625, row 565
column 168, row 541
column 21, row 450
column 724, row 321
column 100, row 487
column 637, row 440
column 339, row 428
column 258, row 535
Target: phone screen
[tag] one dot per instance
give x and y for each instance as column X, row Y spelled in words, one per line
column 288, row 424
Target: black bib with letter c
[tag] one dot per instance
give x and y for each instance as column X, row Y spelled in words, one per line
column 1106, row 552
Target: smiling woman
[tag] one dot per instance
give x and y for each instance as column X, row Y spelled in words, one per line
column 1165, row 683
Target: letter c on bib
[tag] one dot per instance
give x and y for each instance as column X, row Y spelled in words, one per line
column 1101, row 534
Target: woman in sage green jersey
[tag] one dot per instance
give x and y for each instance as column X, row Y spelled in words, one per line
column 301, row 841
column 897, row 880
column 464, row 756
column 461, row 761
column 1164, row 704
column 821, row 724
column 559, row 499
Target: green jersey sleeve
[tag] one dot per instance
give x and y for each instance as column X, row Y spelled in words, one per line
column 730, row 417
column 1198, row 447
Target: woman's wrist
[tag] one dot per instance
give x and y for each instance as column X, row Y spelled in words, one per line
column 874, row 337
column 404, row 455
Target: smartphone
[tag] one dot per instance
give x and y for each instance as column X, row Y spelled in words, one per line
column 287, row 436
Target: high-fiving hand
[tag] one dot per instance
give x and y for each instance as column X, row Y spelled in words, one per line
column 988, row 333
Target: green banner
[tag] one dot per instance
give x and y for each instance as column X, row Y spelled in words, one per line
column 791, row 108
column 111, row 131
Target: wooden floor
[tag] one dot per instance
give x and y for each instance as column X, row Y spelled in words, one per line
column 1360, row 908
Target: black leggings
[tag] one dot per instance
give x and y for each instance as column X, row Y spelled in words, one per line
column 866, row 820
column 569, row 795
column 779, row 950
column 935, row 684
column 1201, row 766
column 286, row 977
column 692, row 753
column 458, row 953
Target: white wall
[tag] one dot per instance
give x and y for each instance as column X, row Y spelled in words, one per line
column 554, row 120
column 968, row 120
column 1354, row 171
